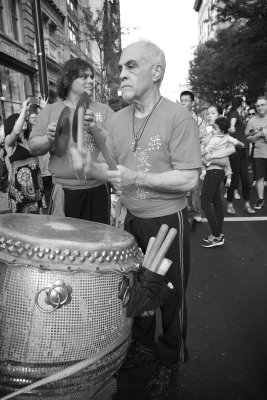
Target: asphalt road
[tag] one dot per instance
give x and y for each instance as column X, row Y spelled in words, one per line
column 227, row 324
column 227, row 310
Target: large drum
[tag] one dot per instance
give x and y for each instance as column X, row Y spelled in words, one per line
column 59, row 280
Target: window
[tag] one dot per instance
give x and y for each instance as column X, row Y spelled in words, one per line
column 72, row 4
column 1, row 16
column 14, row 18
column 73, row 32
column 14, row 87
column 52, row 30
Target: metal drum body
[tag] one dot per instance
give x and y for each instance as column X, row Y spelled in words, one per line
column 39, row 338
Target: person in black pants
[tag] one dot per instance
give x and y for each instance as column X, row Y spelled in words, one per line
column 238, row 160
column 155, row 143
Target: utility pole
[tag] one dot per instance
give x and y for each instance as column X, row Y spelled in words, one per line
column 37, row 15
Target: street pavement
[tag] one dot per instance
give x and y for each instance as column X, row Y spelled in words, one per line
column 227, row 324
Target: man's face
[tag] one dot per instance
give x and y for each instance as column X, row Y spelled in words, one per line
column 136, row 73
column 186, row 102
column 251, row 113
column 84, row 83
column 261, row 106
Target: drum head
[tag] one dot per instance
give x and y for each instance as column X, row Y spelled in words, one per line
column 64, row 240
column 84, row 101
column 62, row 135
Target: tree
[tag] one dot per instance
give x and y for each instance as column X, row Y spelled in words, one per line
column 103, row 27
column 236, row 61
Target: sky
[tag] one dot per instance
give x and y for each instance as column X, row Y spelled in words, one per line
column 172, row 25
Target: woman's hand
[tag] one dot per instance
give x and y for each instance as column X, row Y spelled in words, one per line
column 26, row 105
column 43, row 102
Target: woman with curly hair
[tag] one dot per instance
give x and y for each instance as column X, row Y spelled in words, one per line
column 74, row 195
column 25, row 182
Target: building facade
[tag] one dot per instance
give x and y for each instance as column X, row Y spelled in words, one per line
column 63, row 39
column 206, row 19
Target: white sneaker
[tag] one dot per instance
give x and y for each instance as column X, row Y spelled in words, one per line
column 253, row 184
column 236, row 195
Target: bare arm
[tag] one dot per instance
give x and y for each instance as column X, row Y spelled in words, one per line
column 40, row 145
column 232, row 125
column 176, row 181
column 253, row 137
column 230, row 149
column 11, row 139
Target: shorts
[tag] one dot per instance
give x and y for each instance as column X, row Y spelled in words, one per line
column 260, row 167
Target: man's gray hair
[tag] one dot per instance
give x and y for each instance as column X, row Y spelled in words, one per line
column 154, row 55
column 262, row 98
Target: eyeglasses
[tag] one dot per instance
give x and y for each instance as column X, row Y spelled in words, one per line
column 252, row 113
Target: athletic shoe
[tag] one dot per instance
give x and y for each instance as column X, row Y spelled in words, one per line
column 208, row 238
column 249, row 210
column 236, row 195
column 161, row 382
column 213, row 241
column 259, row 204
column 253, row 184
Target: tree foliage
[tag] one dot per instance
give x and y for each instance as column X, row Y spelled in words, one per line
column 103, row 27
column 235, row 61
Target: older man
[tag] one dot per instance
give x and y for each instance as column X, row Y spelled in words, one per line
column 256, row 132
column 155, row 143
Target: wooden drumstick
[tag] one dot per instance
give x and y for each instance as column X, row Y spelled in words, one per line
column 156, row 245
column 149, row 247
column 101, row 144
column 163, row 250
column 80, row 128
column 164, row 266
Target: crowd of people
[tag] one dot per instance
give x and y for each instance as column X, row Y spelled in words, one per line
column 171, row 165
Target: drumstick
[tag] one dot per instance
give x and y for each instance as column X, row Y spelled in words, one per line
column 80, row 128
column 101, row 144
column 163, row 250
column 149, row 247
column 164, row 266
column 156, row 245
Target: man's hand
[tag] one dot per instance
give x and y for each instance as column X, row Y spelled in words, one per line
column 121, row 178
column 89, row 120
column 51, row 131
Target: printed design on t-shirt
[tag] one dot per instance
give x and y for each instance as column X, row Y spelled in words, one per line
column 142, row 161
column 98, row 117
column 89, row 141
column 141, row 193
column 143, row 165
column 155, row 143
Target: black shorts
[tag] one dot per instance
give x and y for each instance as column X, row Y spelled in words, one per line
column 260, row 167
